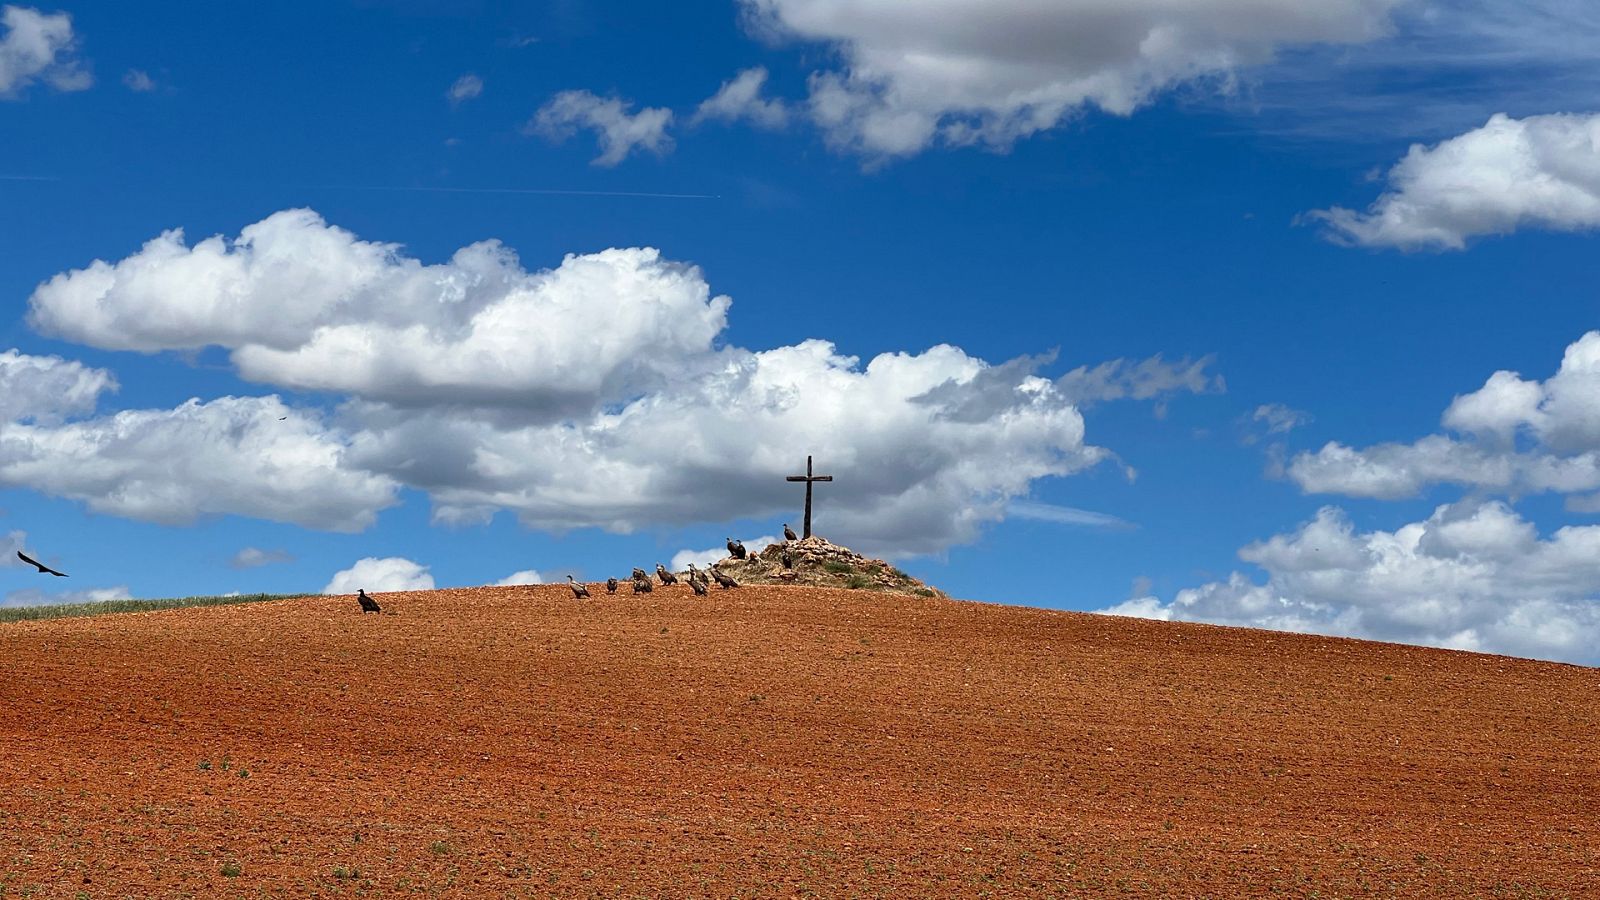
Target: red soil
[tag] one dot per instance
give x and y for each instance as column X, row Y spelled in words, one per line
column 512, row 742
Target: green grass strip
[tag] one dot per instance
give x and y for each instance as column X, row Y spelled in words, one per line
column 104, row 607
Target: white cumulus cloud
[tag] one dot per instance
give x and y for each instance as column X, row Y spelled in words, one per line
column 994, row 71
column 1537, row 172
column 374, row 575
column 254, row 557
column 1472, row 576
column 138, row 81
column 249, row 456
column 308, row 306
column 41, row 597
column 740, row 100
column 1513, row 435
column 465, row 88
column 618, row 131
column 526, row 576
column 45, row 389
column 38, row 47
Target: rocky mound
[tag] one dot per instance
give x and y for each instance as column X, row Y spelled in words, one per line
column 816, row 562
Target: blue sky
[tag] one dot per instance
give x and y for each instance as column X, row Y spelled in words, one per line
column 1310, row 239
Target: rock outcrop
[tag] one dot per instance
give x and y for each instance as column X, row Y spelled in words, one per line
column 820, row 563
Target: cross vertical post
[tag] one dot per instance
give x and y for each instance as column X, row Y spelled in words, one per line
column 808, row 478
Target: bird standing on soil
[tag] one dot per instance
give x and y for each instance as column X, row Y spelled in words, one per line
column 43, row 569
column 367, row 603
column 723, row 581
column 642, row 585
column 611, row 585
column 639, row 573
column 579, row 592
column 665, row 576
column 699, row 587
column 788, row 533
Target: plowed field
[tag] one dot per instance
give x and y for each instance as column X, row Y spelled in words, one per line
column 512, row 742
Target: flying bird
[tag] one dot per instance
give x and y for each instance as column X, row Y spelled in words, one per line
column 579, row 592
column 42, row 567
column 281, row 418
column 788, row 533
column 367, row 603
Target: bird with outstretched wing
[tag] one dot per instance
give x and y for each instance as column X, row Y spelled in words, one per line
column 41, row 566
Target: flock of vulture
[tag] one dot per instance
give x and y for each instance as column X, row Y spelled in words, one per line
column 699, row 581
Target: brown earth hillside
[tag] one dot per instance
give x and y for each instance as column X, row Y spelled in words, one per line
column 774, row 741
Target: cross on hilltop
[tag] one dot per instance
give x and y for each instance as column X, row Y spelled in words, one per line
column 808, row 478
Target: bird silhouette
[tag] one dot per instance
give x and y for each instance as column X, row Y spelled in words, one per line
column 367, row 603
column 42, row 567
column 788, row 533
column 611, row 585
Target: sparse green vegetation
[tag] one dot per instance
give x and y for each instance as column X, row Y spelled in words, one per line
column 231, row 870
column 103, row 607
column 858, row 582
column 924, row 592
column 439, row 848
column 838, row 568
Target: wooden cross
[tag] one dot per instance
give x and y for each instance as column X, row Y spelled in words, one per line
column 808, row 478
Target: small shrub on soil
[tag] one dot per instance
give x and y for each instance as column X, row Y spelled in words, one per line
column 857, row 582
column 923, row 592
column 439, row 848
column 837, row 568
column 205, row 764
column 231, row 870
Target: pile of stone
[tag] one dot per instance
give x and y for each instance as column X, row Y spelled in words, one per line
column 816, row 562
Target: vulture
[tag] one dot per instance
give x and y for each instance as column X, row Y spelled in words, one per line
column 735, row 548
column 665, row 576
column 642, row 586
column 639, row 573
column 788, row 561
column 579, row 592
column 43, row 569
column 700, row 589
column 724, row 581
column 611, row 585
column 367, row 603
column 788, row 533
